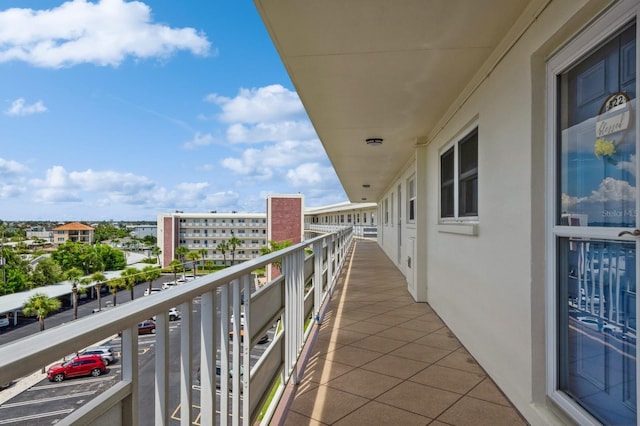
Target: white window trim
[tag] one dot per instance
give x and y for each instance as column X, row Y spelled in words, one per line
column 457, row 220
column 608, row 24
column 411, row 183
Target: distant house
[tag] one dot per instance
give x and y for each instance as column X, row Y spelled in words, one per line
column 74, row 231
column 40, row 233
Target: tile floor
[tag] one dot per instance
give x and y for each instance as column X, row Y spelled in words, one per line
column 379, row 358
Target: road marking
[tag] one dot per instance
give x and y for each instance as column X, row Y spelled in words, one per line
column 53, row 398
column 35, row 416
column 70, row 383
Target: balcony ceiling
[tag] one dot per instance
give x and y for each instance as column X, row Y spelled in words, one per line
column 384, row 69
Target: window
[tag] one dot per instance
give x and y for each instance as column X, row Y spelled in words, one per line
column 386, row 211
column 411, row 199
column 459, row 178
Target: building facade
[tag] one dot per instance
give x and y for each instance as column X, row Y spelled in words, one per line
column 76, row 232
column 360, row 216
column 499, row 140
column 206, row 231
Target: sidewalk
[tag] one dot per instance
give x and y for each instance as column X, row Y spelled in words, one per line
column 21, row 385
column 24, row 383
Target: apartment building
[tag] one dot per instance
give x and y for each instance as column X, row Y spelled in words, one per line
column 206, row 231
column 360, row 216
column 75, row 231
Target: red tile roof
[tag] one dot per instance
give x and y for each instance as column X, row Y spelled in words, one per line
column 74, row 226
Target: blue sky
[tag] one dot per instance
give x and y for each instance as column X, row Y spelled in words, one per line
column 119, row 110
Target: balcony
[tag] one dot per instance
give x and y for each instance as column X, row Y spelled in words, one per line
column 352, row 348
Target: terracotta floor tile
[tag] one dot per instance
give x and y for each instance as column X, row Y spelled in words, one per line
column 321, row 370
column 488, row 391
column 448, row 379
column 295, row 419
column 419, row 399
column 461, row 361
column 379, row 344
column 395, row 366
column 353, row 356
column 366, row 327
column 439, row 341
column 364, row 383
column 341, row 336
column 326, row 405
column 421, row 353
column 474, row 412
column 375, row 413
column 400, row 333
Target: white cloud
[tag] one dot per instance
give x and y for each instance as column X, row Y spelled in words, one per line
column 261, row 132
column 102, row 33
column 60, row 185
column 310, row 175
column 262, row 162
column 628, row 166
column 199, row 140
column 10, row 168
column 269, row 104
column 611, row 189
column 18, row 108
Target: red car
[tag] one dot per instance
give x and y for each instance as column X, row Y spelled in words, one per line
column 83, row 365
column 147, row 327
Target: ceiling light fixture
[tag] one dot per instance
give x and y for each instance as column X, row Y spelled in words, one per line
column 374, row 141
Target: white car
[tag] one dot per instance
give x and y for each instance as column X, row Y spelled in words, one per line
column 169, row 284
column 174, row 314
column 153, row 291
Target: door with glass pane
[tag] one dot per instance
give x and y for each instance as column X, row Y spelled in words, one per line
column 594, row 226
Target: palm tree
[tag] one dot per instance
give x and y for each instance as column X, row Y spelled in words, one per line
column 181, row 252
column 223, row 247
column 233, row 243
column 203, row 253
column 151, row 273
column 174, row 266
column 194, row 256
column 40, row 305
column 99, row 278
column 130, row 277
column 155, row 250
column 74, row 275
column 114, row 285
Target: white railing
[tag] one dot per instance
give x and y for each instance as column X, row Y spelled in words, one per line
column 361, row 231
column 293, row 299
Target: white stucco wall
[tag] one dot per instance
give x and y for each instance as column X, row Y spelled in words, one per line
column 488, row 287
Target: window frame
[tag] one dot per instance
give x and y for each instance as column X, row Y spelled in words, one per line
column 411, row 198
column 456, row 211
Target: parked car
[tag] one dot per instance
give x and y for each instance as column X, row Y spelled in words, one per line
column 4, row 321
column 104, row 351
column 83, row 365
column 153, row 291
column 169, row 284
column 147, row 327
column 174, row 314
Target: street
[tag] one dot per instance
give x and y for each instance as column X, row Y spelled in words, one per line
column 47, row 402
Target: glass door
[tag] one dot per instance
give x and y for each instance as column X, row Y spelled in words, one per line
column 595, row 233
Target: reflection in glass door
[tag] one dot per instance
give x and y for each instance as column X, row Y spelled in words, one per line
column 596, row 198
